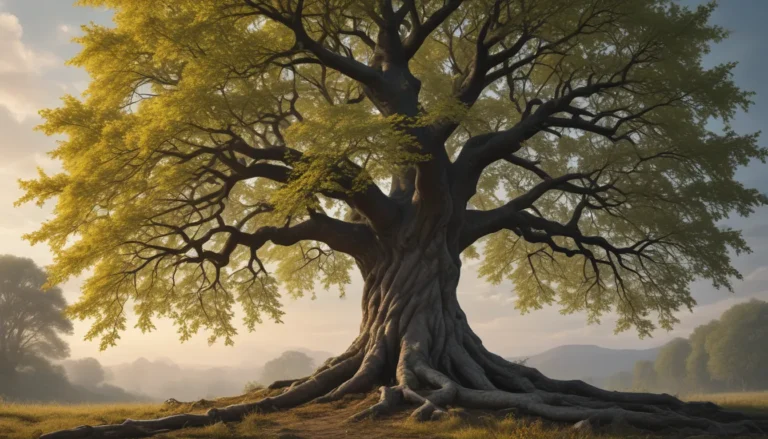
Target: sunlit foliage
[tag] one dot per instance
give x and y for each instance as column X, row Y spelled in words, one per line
column 215, row 136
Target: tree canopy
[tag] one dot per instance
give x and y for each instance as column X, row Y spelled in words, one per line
column 86, row 372
column 217, row 138
column 670, row 364
column 289, row 365
column 697, row 363
column 722, row 355
column 736, row 349
column 31, row 320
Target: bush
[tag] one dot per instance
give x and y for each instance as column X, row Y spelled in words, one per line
column 252, row 386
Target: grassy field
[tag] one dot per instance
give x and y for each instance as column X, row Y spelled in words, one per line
column 318, row 421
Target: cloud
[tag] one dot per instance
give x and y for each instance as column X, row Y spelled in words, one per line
column 16, row 57
column 759, row 274
column 65, row 33
column 21, row 68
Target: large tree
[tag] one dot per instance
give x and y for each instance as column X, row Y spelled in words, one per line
column 218, row 138
column 31, row 320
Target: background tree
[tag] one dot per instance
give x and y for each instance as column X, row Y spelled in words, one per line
column 737, row 353
column 289, row 365
column 31, row 320
column 217, row 137
column 670, row 364
column 86, row 372
column 252, row 386
column 697, row 363
column 644, row 376
column 619, row 381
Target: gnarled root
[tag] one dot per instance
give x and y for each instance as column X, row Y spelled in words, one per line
column 393, row 397
column 559, row 401
column 505, row 386
column 469, row 377
column 433, row 361
column 390, row 400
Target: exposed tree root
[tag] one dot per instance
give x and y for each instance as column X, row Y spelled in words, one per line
column 558, row 401
column 282, row 384
column 391, row 399
column 416, row 344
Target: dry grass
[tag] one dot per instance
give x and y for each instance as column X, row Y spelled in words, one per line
column 315, row 421
column 748, row 402
column 28, row 421
column 490, row 427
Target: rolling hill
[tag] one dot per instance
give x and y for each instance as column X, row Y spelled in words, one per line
column 587, row 362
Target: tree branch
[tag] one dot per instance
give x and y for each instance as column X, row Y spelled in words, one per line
column 421, row 31
column 369, row 200
column 356, row 240
column 343, row 64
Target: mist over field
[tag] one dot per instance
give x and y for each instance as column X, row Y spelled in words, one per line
column 162, row 378
column 85, row 380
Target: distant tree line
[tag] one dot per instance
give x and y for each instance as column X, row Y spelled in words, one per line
column 729, row 354
column 32, row 322
column 289, row 365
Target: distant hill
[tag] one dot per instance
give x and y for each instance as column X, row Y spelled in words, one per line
column 162, row 379
column 593, row 363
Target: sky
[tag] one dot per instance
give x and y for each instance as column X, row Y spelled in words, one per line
column 34, row 46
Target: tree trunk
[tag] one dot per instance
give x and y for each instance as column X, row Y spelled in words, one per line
column 415, row 342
